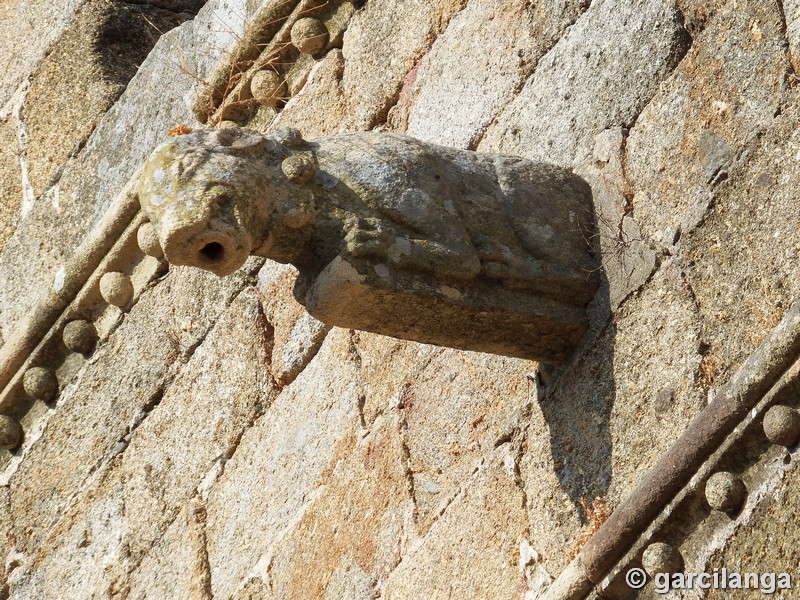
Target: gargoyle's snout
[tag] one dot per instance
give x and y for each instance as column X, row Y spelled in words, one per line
column 213, row 252
column 221, row 250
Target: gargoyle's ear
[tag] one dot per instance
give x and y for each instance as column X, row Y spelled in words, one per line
column 299, row 168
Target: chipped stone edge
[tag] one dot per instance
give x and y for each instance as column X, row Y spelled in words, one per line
column 752, row 387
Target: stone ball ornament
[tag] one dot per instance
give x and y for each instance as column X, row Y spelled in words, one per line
column 116, row 288
column 661, row 558
column 80, row 336
column 782, row 425
column 147, row 240
column 268, row 88
column 309, row 35
column 725, row 492
column 11, row 432
column 40, row 383
column 389, row 234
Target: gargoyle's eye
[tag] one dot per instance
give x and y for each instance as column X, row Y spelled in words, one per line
column 223, row 200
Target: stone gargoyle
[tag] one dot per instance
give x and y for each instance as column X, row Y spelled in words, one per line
column 389, row 234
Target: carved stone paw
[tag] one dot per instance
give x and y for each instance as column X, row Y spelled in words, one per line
column 369, row 238
column 499, row 262
column 493, row 256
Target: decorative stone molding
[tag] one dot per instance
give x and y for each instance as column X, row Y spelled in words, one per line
column 742, row 414
column 272, row 60
column 89, row 297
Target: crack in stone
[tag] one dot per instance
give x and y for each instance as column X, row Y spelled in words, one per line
column 682, row 51
column 518, row 456
column 478, row 137
column 784, row 27
column 381, row 118
column 408, row 472
column 154, row 401
column 421, row 540
column 201, row 581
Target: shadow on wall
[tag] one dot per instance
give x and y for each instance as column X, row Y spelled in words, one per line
column 577, row 405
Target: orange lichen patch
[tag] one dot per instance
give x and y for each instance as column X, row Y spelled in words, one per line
column 767, row 318
column 596, row 514
column 708, row 370
column 181, row 129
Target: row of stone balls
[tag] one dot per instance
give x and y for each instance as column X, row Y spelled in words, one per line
column 309, row 36
column 725, row 491
column 79, row 335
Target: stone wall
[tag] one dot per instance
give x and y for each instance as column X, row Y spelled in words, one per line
column 218, row 442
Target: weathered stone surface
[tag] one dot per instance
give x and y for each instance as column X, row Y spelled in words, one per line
column 95, row 59
column 10, row 176
column 449, row 423
column 599, row 429
column 626, row 254
column 390, row 234
column 106, row 402
column 686, row 141
column 473, row 549
column 368, row 490
column 475, row 68
column 29, row 27
column 739, row 263
column 383, row 42
column 186, row 6
column 319, row 107
column 6, row 540
column 588, row 81
column 86, row 549
column 198, row 423
column 298, row 335
column 176, row 566
column 791, row 9
column 352, row 89
column 276, row 472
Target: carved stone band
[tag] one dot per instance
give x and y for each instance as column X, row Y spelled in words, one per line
column 389, row 234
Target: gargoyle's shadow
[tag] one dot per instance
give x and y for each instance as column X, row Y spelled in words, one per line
column 576, row 403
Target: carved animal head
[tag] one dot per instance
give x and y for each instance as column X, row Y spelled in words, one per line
column 214, row 195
